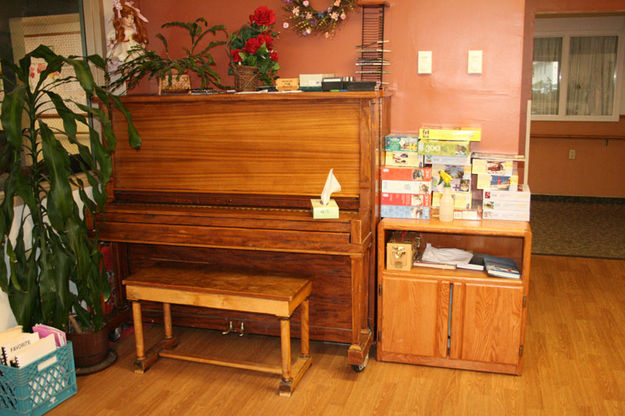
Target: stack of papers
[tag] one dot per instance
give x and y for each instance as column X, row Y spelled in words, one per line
column 18, row 348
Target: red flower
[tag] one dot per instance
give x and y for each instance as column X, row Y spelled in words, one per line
column 267, row 39
column 252, row 45
column 273, row 56
column 235, row 55
column 263, row 16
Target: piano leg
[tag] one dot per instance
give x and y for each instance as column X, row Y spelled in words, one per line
column 362, row 337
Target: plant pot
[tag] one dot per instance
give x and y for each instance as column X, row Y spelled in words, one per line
column 245, row 77
column 90, row 348
column 179, row 83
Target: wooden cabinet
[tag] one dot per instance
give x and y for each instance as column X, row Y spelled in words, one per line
column 455, row 318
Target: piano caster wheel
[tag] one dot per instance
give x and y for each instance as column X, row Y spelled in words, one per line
column 359, row 368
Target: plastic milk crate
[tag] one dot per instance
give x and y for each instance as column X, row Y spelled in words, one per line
column 40, row 386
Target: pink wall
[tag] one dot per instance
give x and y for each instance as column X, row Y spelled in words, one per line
column 449, row 96
column 560, row 6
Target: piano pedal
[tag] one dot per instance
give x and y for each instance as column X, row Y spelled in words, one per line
column 229, row 330
column 242, row 330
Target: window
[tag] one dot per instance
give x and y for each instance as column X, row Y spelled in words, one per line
column 577, row 75
column 67, row 26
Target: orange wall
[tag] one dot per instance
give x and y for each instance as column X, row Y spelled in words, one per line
column 599, row 146
column 449, row 96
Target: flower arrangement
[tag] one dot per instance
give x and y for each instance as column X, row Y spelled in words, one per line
column 306, row 20
column 252, row 45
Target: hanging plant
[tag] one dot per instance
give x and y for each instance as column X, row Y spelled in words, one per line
column 305, row 20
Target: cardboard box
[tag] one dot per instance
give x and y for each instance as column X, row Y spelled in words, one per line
column 473, row 134
column 407, row 187
column 405, row 173
column 321, row 211
column 521, row 194
column 501, row 182
column 401, row 250
column 402, row 211
column 447, row 160
column 461, row 177
column 493, row 167
column 404, row 158
column 506, row 215
column 312, row 82
column 444, row 148
column 505, row 205
column 414, row 200
column 462, row 200
column 467, row 214
column 400, row 142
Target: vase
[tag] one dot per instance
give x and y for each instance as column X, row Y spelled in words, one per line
column 446, row 210
column 245, row 77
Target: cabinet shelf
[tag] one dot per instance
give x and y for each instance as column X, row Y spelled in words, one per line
column 473, row 276
column 455, row 318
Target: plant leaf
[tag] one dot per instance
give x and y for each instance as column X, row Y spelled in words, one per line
column 12, row 108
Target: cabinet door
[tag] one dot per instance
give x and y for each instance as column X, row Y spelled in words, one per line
column 486, row 323
column 415, row 314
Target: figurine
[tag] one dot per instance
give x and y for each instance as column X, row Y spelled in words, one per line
column 128, row 33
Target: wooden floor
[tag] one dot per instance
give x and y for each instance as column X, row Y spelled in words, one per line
column 574, row 364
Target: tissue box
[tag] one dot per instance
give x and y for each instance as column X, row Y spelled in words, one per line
column 321, row 211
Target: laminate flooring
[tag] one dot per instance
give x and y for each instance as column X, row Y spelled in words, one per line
column 574, row 364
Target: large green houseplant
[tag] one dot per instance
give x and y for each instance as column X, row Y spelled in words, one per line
column 143, row 63
column 48, row 244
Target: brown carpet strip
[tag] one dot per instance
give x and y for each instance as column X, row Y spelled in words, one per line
column 578, row 226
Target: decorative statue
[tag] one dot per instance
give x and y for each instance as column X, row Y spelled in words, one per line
column 128, row 32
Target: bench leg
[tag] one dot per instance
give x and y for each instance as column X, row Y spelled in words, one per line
column 304, row 335
column 138, row 324
column 167, row 321
column 285, row 341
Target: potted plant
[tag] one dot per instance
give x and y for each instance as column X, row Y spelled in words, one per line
column 147, row 63
column 251, row 47
column 47, row 243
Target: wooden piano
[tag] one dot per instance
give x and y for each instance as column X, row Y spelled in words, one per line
column 226, row 180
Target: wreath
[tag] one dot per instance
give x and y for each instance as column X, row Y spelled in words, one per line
column 306, row 20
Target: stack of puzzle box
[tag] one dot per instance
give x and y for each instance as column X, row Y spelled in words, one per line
column 483, row 185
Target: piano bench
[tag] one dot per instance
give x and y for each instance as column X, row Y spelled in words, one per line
column 228, row 290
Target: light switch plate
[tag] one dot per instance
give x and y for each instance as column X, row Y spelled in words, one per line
column 424, row 62
column 475, row 62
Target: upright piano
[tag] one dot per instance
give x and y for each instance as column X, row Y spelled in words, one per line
column 226, row 181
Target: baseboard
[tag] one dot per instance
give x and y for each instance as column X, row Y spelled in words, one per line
column 579, row 199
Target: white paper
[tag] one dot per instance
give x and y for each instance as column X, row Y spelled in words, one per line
column 445, row 255
column 332, row 185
